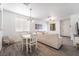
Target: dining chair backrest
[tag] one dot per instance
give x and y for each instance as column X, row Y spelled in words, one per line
column 34, row 38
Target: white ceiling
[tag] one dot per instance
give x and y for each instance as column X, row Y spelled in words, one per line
column 44, row 10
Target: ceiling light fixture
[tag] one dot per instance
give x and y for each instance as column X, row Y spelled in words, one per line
column 26, row 4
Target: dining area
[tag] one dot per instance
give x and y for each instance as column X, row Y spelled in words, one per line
column 19, row 45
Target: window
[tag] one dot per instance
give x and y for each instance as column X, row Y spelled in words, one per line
column 52, row 27
column 22, row 24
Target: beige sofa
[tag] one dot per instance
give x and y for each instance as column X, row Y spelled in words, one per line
column 52, row 40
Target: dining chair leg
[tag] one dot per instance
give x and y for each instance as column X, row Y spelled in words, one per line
column 22, row 46
column 36, row 45
column 26, row 48
column 30, row 48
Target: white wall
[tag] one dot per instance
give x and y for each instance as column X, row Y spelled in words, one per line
column 44, row 25
column 74, row 18
column 57, row 21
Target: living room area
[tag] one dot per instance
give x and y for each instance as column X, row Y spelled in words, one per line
column 39, row 29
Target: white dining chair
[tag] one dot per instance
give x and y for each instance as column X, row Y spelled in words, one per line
column 33, row 43
column 25, row 43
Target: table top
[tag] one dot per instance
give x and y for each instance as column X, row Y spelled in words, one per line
column 26, row 36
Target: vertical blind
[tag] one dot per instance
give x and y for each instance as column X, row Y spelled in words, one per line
column 22, row 24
